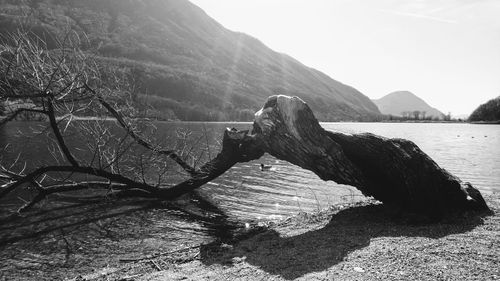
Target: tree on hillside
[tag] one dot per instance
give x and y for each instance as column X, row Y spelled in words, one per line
column 489, row 111
column 447, row 117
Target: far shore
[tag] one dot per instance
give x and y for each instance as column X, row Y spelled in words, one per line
column 89, row 118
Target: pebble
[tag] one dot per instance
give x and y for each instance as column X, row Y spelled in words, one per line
column 358, row 269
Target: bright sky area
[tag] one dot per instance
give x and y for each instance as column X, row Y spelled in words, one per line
column 445, row 51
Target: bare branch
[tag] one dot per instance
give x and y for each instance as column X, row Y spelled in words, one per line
column 76, row 169
column 60, row 139
column 169, row 153
column 18, row 111
column 46, row 191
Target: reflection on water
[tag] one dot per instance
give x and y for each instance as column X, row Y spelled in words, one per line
column 469, row 151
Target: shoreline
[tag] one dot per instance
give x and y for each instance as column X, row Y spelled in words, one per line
column 355, row 241
column 359, row 241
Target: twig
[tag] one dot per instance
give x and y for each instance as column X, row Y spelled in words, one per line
column 60, row 139
column 206, row 141
column 153, row 256
column 156, row 265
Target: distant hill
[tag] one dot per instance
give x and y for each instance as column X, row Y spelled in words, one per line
column 189, row 66
column 402, row 102
column 489, row 111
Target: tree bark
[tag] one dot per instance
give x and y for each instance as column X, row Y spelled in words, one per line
column 237, row 147
column 394, row 171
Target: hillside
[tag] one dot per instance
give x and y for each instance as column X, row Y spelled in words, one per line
column 190, row 66
column 403, row 102
column 489, row 111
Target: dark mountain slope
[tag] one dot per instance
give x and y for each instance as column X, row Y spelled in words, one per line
column 489, row 111
column 189, row 65
column 397, row 103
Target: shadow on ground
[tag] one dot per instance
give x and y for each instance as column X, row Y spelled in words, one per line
column 317, row 250
column 112, row 219
column 79, row 238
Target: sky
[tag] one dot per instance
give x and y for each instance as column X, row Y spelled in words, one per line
column 445, row 51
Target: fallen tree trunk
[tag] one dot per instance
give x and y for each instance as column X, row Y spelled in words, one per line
column 394, row 171
column 69, row 83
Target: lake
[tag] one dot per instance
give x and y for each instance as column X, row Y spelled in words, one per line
column 469, row 151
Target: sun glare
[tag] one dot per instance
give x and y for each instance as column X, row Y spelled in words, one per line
column 444, row 52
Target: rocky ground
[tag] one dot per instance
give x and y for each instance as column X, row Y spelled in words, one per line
column 359, row 241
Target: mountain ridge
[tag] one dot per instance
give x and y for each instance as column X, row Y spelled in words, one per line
column 192, row 68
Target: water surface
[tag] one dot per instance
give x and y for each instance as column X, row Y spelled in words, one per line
column 469, row 151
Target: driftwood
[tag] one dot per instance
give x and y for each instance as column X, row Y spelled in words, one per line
column 394, row 171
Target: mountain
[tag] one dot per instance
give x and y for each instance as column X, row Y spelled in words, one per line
column 401, row 103
column 489, row 111
column 190, row 67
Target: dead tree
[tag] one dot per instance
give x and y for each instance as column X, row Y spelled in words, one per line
column 63, row 83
